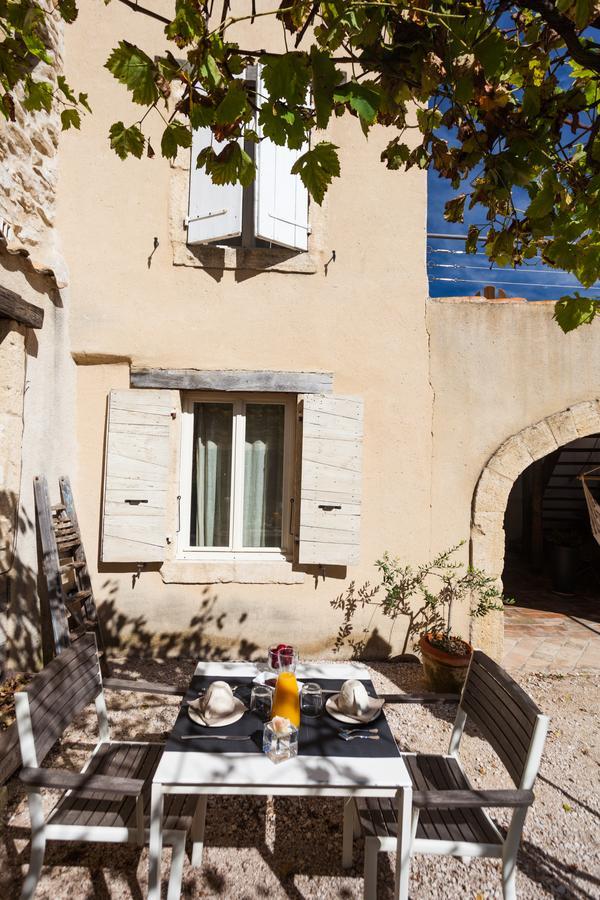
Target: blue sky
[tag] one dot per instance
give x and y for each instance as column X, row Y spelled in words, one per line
column 453, row 273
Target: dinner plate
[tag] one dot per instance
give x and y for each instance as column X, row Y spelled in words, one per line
column 333, row 711
column 235, row 716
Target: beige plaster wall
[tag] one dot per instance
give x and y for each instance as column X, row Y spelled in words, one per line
column 445, row 383
column 363, row 320
column 496, row 369
column 37, row 400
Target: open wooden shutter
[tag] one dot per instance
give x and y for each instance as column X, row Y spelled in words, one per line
column 136, row 475
column 281, row 200
column 330, row 487
column 214, row 210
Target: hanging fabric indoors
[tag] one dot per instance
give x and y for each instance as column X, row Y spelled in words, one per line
column 592, row 504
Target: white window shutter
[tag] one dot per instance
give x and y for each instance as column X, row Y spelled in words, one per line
column 331, row 474
column 136, row 475
column 214, row 210
column 281, row 200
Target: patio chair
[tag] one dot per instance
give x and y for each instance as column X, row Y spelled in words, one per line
column 109, row 800
column 449, row 817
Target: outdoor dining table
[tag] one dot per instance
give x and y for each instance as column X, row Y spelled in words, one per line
column 326, row 765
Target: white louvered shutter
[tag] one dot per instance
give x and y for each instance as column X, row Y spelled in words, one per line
column 214, row 210
column 331, row 475
column 136, row 471
column 281, row 200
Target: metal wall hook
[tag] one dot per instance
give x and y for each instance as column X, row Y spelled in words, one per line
column 156, row 243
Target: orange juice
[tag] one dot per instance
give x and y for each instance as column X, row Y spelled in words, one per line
column 287, row 700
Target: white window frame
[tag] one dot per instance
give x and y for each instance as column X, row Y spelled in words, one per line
column 235, row 551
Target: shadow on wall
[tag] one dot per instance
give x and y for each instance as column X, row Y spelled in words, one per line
column 132, row 637
column 20, row 618
column 25, row 625
column 408, row 619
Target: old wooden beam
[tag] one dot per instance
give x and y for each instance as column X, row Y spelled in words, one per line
column 233, row 380
column 12, row 306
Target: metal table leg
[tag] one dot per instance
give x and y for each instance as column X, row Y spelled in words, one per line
column 155, row 849
column 404, row 800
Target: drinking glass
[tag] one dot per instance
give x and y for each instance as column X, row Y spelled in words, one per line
column 311, row 699
column 261, row 701
column 282, row 658
column 279, row 747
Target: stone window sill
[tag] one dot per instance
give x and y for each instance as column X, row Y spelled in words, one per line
column 260, row 259
column 181, row 571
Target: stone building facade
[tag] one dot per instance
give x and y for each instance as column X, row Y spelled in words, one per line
column 36, row 369
column 458, row 395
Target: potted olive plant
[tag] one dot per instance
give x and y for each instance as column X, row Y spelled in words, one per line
column 439, row 587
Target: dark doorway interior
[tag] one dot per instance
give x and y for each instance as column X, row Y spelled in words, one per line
column 552, row 559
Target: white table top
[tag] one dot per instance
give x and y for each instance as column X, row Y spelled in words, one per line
column 254, row 773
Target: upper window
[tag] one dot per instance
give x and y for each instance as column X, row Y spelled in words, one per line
column 236, row 475
column 271, row 211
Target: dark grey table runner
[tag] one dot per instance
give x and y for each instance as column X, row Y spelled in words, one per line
column 318, row 736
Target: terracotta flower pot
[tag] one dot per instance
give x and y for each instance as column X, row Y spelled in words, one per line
column 445, row 672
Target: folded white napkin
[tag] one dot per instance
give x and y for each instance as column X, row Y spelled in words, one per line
column 353, row 698
column 354, row 702
column 216, row 703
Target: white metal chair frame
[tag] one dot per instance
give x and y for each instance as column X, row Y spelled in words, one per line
column 35, row 778
column 520, row 800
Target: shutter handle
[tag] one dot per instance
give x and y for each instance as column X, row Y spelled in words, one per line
column 134, row 502
column 178, row 513
column 329, row 507
column 291, row 516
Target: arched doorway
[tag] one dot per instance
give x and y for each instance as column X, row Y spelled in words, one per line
column 551, row 558
column 543, row 440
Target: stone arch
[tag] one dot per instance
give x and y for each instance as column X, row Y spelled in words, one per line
column 494, row 486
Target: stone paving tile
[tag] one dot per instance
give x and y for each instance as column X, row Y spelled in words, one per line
column 537, row 640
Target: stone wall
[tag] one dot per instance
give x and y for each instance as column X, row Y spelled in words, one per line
column 12, row 381
column 29, row 172
column 36, row 369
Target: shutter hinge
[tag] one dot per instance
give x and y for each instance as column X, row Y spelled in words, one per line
column 290, row 222
column 210, row 215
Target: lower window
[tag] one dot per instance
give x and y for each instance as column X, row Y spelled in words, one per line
column 236, row 476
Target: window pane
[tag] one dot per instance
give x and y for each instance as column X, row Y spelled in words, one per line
column 211, row 475
column 263, row 475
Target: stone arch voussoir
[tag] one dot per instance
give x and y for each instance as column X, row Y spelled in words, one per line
column 505, row 466
column 494, row 486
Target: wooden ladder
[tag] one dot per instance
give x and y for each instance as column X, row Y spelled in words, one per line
column 71, row 602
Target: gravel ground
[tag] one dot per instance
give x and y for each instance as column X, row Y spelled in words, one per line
column 280, row 848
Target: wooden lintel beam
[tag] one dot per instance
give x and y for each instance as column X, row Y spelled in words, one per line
column 233, row 380
column 12, row 306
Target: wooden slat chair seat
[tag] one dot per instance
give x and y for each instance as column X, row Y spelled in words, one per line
column 378, row 817
column 109, row 799
column 449, row 816
column 122, row 760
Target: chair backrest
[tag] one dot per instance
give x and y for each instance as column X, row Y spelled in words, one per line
column 506, row 716
column 55, row 696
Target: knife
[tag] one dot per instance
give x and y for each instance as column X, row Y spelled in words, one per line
column 216, row 737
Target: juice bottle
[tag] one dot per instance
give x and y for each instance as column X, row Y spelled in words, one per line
column 287, row 700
